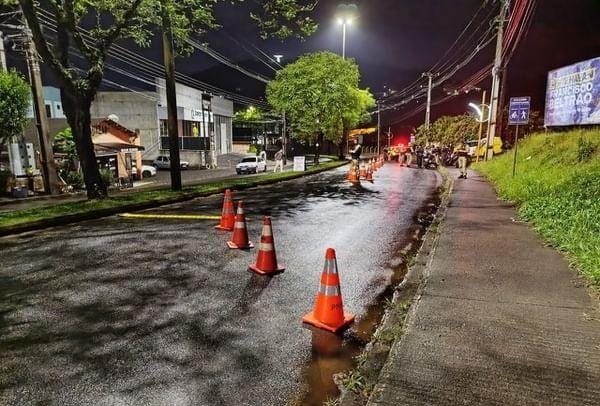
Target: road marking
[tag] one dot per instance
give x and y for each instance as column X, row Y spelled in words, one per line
column 171, row 216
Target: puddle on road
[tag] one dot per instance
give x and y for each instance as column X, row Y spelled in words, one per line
column 333, row 354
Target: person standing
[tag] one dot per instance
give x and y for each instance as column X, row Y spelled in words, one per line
column 278, row 160
column 461, row 152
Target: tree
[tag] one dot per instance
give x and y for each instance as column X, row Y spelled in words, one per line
column 15, row 100
column 111, row 20
column 320, row 95
column 449, row 130
column 248, row 115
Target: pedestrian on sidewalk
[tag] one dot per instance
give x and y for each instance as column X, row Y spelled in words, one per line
column 461, row 152
column 278, row 160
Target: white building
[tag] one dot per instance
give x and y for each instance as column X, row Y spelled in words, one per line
column 204, row 121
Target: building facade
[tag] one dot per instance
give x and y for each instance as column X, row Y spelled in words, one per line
column 204, row 121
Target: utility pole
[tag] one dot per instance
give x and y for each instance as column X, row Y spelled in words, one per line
column 378, row 125
column 2, row 53
column 284, row 140
column 496, row 79
column 430, row 77
column 171, row 93
column 389, row 134
column 48, row 165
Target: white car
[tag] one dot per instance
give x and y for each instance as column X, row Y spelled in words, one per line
column 163, row 162
column 251, row 164
column 147, row 171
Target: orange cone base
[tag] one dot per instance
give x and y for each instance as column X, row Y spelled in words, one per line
column 355, row 182
column 220, row 227
column 254, row 268
column 310, row 319
column 236, row 247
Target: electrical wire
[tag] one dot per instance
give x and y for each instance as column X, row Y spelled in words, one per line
column 144, row 64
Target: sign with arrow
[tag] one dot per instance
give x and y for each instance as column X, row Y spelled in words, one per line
column 518, row 110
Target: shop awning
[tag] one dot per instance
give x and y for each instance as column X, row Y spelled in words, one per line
column 361, row 131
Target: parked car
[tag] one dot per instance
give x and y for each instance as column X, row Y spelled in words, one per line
column 147, row 171
column 163, row 162
column 251, row 164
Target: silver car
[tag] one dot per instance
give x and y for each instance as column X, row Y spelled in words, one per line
column 163, row 162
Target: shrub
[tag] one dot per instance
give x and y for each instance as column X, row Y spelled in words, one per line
column 4, row 178
column 107, row 177
column 75, row 179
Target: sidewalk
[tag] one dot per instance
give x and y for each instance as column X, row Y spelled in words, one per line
column 500, row 320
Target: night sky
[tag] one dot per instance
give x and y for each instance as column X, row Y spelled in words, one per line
column 393, row 41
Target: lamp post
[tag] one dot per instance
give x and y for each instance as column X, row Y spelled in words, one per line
column 344, row 22
column 345, row 15
column 482, row 119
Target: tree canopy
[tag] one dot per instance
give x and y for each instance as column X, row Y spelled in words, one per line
column 449, row 130
column 15, row 99
column 320, row 94
column 248, row 115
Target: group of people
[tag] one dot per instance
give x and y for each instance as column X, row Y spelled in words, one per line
column 423, row 152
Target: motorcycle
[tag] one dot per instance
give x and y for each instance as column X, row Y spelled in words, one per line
column 429, row 161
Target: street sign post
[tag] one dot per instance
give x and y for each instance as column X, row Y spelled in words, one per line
column 518, row 114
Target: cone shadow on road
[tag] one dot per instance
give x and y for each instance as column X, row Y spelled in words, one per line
column 253, row 289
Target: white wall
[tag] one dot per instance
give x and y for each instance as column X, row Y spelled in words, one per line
column 136, row 111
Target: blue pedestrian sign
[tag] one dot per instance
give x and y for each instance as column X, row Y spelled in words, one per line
column 518, row 111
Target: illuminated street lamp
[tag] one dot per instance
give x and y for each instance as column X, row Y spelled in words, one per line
column 346, row 13
column 481, row 110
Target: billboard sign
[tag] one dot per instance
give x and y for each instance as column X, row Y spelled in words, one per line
column 518, row 110
column 573, row 95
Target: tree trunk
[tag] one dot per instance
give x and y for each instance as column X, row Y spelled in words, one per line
column 77, row 110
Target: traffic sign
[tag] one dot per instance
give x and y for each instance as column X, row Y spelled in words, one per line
column 518, row 111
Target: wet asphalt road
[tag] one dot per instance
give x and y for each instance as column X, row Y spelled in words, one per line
column 145, row 312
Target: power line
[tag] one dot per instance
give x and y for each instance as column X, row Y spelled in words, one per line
column 140, row 63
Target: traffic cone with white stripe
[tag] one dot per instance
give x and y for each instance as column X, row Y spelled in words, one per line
column 369, row 173
column 363, row 171
column 266, row 260
column 227, row 215
column 328, row 313
column 240, row 233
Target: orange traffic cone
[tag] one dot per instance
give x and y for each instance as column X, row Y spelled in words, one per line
column 266, row 261
column 374, row 164
column 328, row 313
column 363, row 171
column 369, row 173
column 227, row 215
column 240, row 234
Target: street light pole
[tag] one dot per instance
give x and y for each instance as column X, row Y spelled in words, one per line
column 430, row 77
column 480, row 128
column 344, row 40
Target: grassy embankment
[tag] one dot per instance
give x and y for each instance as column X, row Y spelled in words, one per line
column 156, row 197
column 557, row 188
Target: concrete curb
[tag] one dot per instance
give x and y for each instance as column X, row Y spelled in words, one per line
column 99, row 213
column 403, row 306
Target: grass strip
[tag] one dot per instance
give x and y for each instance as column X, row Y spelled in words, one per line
column 40, row 217
column 557, row 189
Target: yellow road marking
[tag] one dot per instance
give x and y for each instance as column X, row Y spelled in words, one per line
column 170, row 216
